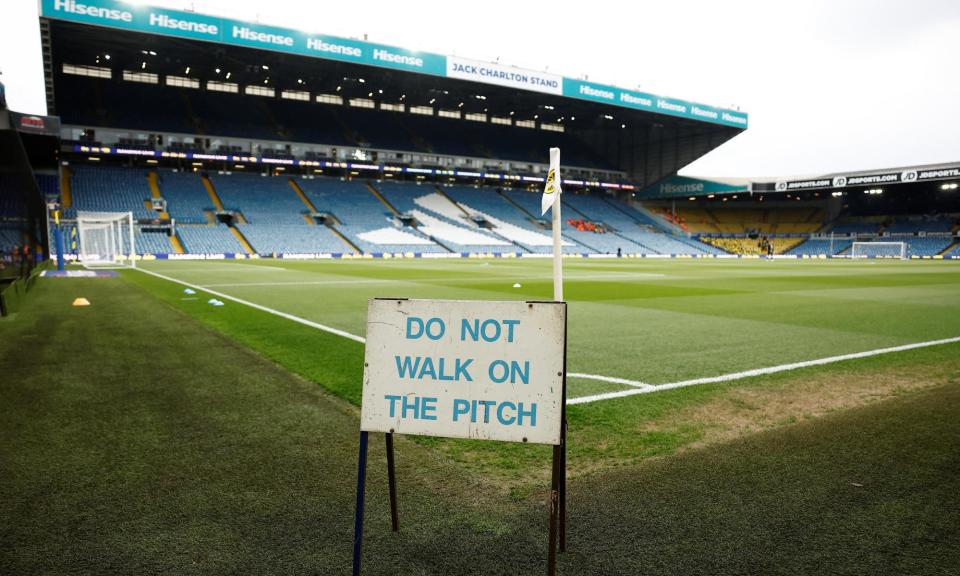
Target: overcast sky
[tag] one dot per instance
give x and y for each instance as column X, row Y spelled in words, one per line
column 829, row 85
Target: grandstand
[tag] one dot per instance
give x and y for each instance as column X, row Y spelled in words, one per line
column 294, row 152
column 255, row 150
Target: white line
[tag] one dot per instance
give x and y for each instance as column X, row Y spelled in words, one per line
column 484, row 280
column 759, row 371
column 297, row 319
column 298, row 283
column 612, row 379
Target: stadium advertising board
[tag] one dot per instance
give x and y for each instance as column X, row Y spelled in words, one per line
column 49, row 125
column 683, row 186
column 227, row 31
column 194, row 26
column 465, row 369
column 906, row 176
column 651, row 103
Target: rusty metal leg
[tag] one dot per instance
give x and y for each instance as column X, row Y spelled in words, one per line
column 554, row 509
column 562, row 493
column 361, row 488
column 392, row 479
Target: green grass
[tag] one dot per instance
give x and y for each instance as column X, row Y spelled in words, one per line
column 140, row 436
column 653, row 321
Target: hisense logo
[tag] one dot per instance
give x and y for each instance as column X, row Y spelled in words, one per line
column 667, row 188
column 73, row 7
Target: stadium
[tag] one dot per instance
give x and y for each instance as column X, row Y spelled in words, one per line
column 759, row 375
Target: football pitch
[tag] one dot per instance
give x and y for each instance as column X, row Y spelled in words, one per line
column 636, row 329
column 726, row 416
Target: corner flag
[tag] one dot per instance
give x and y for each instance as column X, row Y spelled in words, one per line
column 552, row 189
column 551, row 198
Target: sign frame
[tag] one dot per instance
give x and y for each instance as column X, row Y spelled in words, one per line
column 558, row 480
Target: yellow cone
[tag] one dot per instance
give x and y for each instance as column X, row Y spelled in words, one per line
column 81, row 302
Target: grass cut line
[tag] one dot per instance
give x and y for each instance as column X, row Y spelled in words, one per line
column 297, row 319
column 760, row 371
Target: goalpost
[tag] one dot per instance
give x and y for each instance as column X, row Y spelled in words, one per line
column 106, row 238
column 879, row 250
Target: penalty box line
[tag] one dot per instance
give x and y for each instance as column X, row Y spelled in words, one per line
column 646, row 389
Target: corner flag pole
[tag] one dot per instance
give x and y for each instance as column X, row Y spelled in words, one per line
column 558, row 482
column 557, row 254
column 551, row 197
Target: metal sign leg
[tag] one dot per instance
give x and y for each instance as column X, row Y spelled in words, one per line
column 392, row 479
column 361, row 487
column 563, row 487
column 554, row 509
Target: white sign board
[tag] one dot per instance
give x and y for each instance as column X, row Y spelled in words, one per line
column 465, row 369
column 509, row 76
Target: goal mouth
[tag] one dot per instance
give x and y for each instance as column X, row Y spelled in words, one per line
column 894, row 250
column 106, row 240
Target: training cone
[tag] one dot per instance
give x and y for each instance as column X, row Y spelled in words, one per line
column 517, row 285
column 189, row 291
column 81, row 302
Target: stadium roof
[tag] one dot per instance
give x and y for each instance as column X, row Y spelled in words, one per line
column 195, row 26
column 680, row 186
column 643, row 137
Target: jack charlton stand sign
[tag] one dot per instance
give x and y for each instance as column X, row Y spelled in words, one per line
column 460, row 369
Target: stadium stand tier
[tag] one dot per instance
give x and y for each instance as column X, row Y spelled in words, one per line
column 319, row 215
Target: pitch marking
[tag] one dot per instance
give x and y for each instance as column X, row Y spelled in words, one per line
column 759, row 371
column 636, row 387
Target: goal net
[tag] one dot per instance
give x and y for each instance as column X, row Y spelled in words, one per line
column 106, row 238
column 879, row 250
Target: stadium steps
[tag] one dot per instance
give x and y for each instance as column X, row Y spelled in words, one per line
column 443, row 193
column 155, row 193
column 373, row 190
column 176, row 244
column 393, row 209
column 632, row 241
column 567, row 206
column 242, row 240
column 518, row 206
column 214, row 197
column 505, row 239
column 306, row 202
column 611, row 229
column 947, row 250
column 66, row 194
column 535, row 220
column 493, row 231
column 620, row 209
column 343, row 238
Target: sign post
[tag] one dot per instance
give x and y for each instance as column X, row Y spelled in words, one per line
column 465, row 369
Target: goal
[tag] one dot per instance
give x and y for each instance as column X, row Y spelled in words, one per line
column 106, row 238
column 879, row 250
